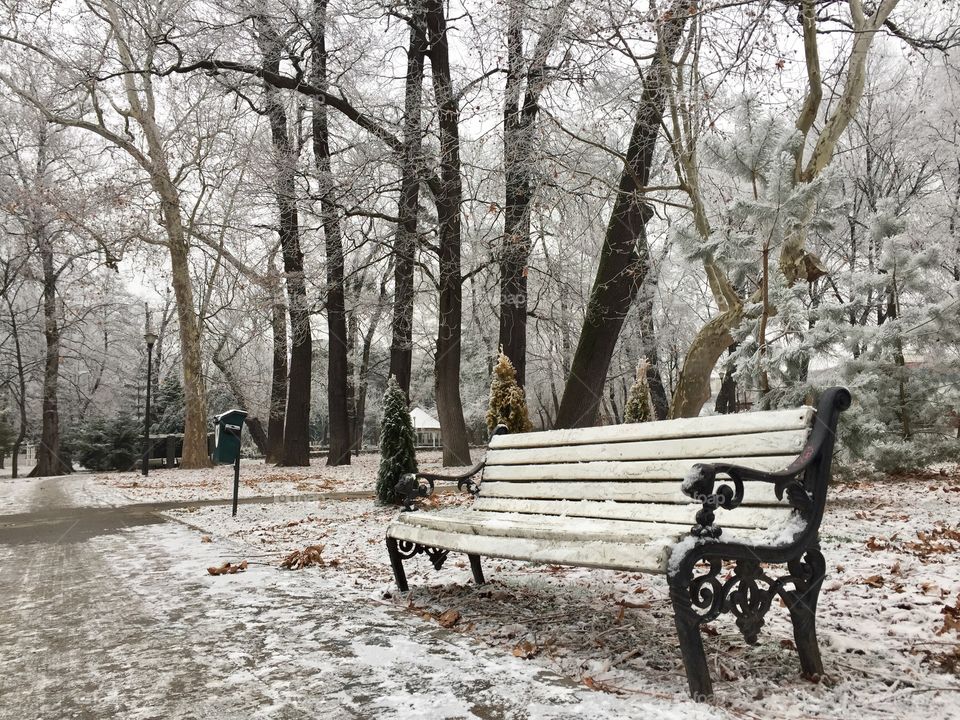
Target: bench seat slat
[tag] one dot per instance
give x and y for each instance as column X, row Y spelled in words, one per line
column 546, row 527
column 753, row 422
column 611, row 471
column 648, row 557
column 787, row 442
column 741, row 517
column 667, row 491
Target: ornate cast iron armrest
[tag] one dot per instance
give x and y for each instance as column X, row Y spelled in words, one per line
column 463, row 479
column 699, row 483
column 410, row 488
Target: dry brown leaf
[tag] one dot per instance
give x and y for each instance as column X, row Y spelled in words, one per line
column 448, row 618
column 877, row 544
column 228, row 568
column 206, row 539
column 525, row 649
column 634, row 605
column 874, row 581
column 951, row 618
column 298, row 559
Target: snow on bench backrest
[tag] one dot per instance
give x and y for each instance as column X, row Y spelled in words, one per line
column 634, row 472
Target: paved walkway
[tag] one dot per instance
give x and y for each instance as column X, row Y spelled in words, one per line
column 108, row 612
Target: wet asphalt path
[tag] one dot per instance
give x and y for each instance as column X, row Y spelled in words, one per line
column 107, row 612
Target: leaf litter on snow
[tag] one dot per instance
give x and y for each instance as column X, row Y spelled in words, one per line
column 893, row 571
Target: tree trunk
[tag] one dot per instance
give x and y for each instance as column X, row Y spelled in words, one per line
column 456, row 450
column 515, row 248
column 338, row 377
column 49, row 460
column 22, row 390
column 363, row 373
column 693, row 388
column 195, row 454
column 622, row 267
column 408, row 206
column 278, row 384
column 519, row 124
column 727, row 397
column 296, row 430
column 648, row 345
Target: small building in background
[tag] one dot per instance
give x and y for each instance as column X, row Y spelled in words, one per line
column 426, row 428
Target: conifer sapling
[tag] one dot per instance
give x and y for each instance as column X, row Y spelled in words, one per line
column 397, row 440
column 508, row 402
column 639, row 405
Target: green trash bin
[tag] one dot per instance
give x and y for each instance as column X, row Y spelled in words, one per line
column 226, row 436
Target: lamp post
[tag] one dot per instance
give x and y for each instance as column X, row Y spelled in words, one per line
column 150, row 338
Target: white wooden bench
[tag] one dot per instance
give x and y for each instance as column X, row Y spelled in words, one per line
column 643, row 498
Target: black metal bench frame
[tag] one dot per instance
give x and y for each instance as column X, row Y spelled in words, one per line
column 700, row 589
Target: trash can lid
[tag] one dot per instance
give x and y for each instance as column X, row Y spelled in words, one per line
column 234, row 414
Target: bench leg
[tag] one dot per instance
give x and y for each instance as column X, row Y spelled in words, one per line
column 691, row 643
column 477, row 570
column 396, row 562
column 802, row 604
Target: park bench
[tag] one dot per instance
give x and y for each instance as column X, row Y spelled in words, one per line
column 678, row 497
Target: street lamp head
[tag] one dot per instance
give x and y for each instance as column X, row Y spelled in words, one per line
column 150, row 338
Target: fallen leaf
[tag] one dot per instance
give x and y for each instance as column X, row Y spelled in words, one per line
column 526, row 649
column 228, row 568
column 206, row 539
column 635, row 605
column 951, row 618
column 448, row 618
column 874, row 581
column 298, row 559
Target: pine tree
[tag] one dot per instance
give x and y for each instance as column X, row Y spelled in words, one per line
column 397, row 455
column 169, row 407
column 639, row 407
column 508, row 402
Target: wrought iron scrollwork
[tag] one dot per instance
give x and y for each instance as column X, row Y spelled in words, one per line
column 410, row 487
column 702, row 489
column 472, row 487
column 407, row 549
column 748, row 593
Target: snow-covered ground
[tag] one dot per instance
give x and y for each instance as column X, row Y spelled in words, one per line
column 257, row 479
column 889, row 616
column 23, row 494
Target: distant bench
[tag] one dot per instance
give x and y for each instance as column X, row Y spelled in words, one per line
column 624, row 496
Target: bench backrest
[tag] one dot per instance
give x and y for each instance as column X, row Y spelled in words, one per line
column 634, row 472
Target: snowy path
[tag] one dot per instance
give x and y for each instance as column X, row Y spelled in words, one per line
column 108, row 612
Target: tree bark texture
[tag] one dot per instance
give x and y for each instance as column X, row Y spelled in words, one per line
column 408, row 206
column 648, row 344
column 296, row 429
column 140, row 97
column 338, row 376
column 621, row 268
column 519, row 126
column 278, row 382
column 727, row 397
column 447, row 361
column 49, row 460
